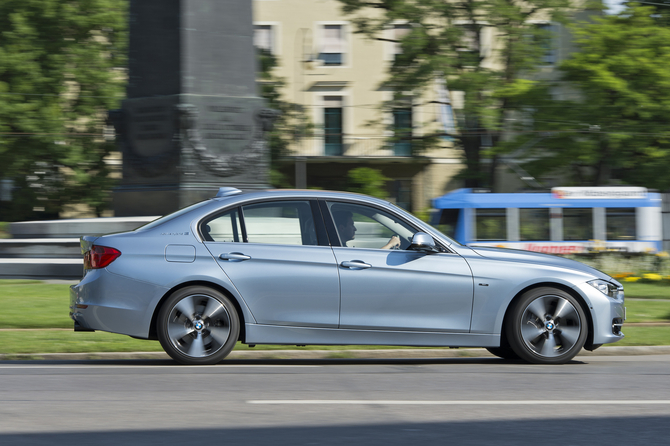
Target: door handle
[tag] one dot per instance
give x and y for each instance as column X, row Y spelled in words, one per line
column 234, row 256
column 355, row 264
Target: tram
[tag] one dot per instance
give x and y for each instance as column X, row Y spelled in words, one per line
column 568, row 220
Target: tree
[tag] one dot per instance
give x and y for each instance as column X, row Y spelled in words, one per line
column 292, row 122
column 617, row 128
column 368, row 181
column 445, row 39
column 60, row 71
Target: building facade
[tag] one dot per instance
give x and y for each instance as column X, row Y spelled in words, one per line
column 337, row 77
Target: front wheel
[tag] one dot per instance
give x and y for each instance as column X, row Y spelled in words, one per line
column 198, row 326
column 547, row 326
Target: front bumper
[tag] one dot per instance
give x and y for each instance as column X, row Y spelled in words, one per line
column 608, row 315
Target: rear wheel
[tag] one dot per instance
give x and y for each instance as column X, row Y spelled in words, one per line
column 198, row 326
column 547, row 326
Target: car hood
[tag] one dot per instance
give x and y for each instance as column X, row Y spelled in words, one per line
column 516, row 255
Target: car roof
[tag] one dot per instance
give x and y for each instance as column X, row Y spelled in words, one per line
column 244, row 195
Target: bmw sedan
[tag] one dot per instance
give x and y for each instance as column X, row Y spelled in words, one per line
column 332, row 268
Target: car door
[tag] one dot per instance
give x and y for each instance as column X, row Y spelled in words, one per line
column 278, row 258
column 395, row 289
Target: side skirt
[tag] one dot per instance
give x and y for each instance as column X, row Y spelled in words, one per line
column 276, row 334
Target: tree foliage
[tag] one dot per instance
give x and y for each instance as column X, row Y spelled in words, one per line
column 446, row 38
column 617, row 127
column 60, row 71
column 292, row 122
column 368, row 181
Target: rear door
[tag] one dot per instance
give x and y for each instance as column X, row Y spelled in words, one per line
column 277, row 256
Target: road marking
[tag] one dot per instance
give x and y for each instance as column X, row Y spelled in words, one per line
column 463, row 402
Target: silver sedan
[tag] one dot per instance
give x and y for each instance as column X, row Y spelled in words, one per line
column 332, row 268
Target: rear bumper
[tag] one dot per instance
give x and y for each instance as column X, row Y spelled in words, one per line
column 113, row 303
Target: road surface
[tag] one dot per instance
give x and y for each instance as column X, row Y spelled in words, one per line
column 620, row 400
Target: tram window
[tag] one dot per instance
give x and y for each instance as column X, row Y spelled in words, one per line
column 621, row 223
column 577, row 224
column 534, row 224
column 491, row 224
column 448, row 221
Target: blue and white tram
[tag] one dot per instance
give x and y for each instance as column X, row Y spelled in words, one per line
column 566, row 221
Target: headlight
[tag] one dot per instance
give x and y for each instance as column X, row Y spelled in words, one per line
column 607, row 288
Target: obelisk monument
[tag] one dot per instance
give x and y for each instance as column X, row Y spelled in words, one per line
column 192, row 120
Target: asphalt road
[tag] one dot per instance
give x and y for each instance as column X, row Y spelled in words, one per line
column 608, row 400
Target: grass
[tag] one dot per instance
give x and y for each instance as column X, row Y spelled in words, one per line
column 39, row 305
column 646, row 290
column 4, row 230
column 34, row 304
column 636, row 336
column 648, row 311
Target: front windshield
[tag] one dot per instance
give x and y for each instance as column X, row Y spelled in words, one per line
column 166, row 218
column 454, row 241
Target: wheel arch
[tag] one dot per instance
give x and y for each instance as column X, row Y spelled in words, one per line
column 153, row 328
column 582, row 302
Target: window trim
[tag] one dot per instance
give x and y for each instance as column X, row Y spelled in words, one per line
column 275, row 30
column 335, row 238
column 347, row 54
column 321, row 233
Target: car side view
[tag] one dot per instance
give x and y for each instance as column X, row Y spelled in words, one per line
column 332, row 268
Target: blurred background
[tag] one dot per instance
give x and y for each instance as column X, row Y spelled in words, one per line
column 407, row 101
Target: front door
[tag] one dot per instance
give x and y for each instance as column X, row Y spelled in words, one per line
column 396, row 289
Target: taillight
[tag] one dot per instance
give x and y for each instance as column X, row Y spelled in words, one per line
column 100, row 257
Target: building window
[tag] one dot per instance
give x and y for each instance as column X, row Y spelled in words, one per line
column 264, row 38
column 402, row 193
column 469, row 39
column 546, row 40
column 577, row 224
column 332, row 125
column 491, row 224
column 399, row 31
column 332, row 45
column 621, row 224
column 534, row 224
column 402, row 131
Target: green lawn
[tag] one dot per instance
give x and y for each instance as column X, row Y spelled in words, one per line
column 34, row 304
column 38, row 305
column 648, row 311
column 646, row 290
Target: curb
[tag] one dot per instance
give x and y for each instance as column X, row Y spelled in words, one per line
column 327, row 354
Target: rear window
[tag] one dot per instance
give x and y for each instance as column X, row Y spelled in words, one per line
column 167, row 218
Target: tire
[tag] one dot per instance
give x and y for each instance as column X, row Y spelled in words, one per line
column 198, row 326
column 547, row 326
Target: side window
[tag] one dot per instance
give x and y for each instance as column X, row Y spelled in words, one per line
column 367, row 227
column 621, row 224
column 280, row 223
column 491, row 224
column 223, row 228
column 577, row 224
column 534, row 224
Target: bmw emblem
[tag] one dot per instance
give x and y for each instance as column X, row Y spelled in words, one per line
column 549, row 325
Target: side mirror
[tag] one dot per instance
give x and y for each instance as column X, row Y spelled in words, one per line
column 423, row 242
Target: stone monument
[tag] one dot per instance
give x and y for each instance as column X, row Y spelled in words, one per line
column 192, row 120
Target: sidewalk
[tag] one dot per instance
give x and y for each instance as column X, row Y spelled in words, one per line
column 332, row 354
